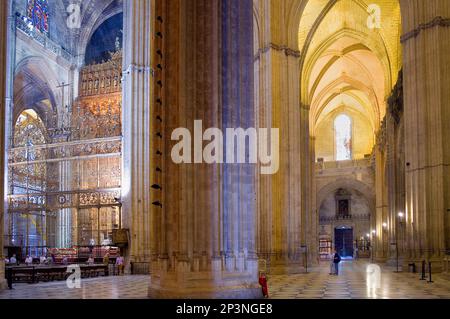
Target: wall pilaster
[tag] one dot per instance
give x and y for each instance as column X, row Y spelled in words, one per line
column 426, row 52
column 208, row 215
column 137, row 138
column 3, row 72
column 288, row 220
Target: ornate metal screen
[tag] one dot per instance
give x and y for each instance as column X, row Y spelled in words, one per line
column 65, row 179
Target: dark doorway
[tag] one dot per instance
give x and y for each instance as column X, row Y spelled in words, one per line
column 343, row 238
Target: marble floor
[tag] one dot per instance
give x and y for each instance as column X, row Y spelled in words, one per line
column 352, row 284
column 317, row 284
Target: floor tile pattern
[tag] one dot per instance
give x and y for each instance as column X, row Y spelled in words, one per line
column 317, row 284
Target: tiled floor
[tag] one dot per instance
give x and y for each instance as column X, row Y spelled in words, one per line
column 351, row 284
column 317, row 284
column 123, row 287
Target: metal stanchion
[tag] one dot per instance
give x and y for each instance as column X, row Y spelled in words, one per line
column 429, row 272
column 423, row 271
column 305, row 251
column 9, row 277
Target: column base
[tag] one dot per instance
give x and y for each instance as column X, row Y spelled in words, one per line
column 3, row 282
column 3, row 285
column 392, row 262
column 137, row 268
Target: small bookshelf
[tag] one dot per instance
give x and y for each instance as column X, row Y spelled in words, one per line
column 324, row 248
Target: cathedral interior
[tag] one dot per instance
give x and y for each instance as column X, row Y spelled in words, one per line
column 92, row 91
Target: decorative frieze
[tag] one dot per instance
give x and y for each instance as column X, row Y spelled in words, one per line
column 102, row 78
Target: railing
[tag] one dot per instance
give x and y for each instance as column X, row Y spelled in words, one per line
column 67, row 151
column 347, row 217
column 42, row 39
column 107, row 197
column 366, row 162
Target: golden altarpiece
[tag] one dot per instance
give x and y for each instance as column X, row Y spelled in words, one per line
column 64, row 179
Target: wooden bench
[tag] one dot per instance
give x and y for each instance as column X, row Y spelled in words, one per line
column 35, row 274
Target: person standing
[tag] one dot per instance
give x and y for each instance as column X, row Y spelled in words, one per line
column 29, row 260
column 336, row 261
column 106, row 259
column 106, row 263
column 120, row 265
column 331, row 258
column 90, row 260
column 263, row 282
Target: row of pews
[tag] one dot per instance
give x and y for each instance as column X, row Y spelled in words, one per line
column 42, row 273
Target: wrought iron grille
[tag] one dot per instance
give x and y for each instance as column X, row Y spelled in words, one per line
column 64, row 168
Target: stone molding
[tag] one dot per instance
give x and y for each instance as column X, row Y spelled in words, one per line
column 436, row 22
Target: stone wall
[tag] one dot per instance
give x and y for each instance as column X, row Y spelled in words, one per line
column 356, row 178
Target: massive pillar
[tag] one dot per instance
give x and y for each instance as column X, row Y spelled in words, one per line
column 204, row 232
column 395, row 176
column 426, row 52
column 3, row 73
column 285, row 197
column 137, row 148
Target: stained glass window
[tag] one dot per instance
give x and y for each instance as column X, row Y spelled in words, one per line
column 38, row 14
column 343, row 136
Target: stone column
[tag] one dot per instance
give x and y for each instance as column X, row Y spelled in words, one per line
column 5, row 102
column 64, row 216
column 391, row 231
column 285, row 197
column 265, row 235
column 3, row 71
column 379, row 238
column 426, row 60
column 206, row 234
column 137, row 138
column 310, row 197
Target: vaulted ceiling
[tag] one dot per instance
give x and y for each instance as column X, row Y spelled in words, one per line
column 92, row 14
column 346, row 62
